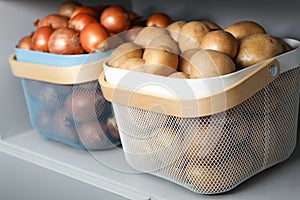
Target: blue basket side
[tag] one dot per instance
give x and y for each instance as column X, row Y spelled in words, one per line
column 47, row 112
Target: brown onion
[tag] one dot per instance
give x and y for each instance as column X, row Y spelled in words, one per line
column 81, row 20
column 158, row 20
column 115, row 19
column 92, row 36
column 40, row 38
column 92, row 135
column 25, row 43
column 65, row 41
column 84, row 9
column 66, row 9
column 85, row 105
column 54, row 20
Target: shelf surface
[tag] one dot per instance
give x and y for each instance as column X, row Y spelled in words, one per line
column 109, row 170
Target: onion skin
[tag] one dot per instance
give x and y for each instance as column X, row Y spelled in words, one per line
column 64, row 126
column 66, row 9
column 81, row 20
column 56, row 21
column 85, row 105
column 158, row 20
column 40, row 38
column 115, row 19
column 84, row 9
column 25, row 43
column 92, row 36
column 65, row 41
column 93, row 135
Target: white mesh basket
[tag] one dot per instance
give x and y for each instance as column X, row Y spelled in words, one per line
column 222, row 146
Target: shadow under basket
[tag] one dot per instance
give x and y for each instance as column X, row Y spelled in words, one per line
column 210, row 149
column 64, row 105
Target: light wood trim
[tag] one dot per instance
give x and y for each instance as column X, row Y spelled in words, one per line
column 56, row 74
column 202, row 106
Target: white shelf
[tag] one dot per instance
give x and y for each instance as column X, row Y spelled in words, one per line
column 109, row 171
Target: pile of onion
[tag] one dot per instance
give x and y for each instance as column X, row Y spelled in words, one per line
column 79, row 29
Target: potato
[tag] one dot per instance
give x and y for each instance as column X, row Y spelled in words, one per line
column 257, row 48
column 175, row 28
column 135, row 64
column 147, row 34
column 155, row 150
column 243, row 29
column 184, row 62
column 123, row 52
column 210, row 63
column 178, row 75
column 164, row 40
column 221, row 41
column 191, row 35
column 217, row 179
column 286, row 47
column 160, row 61
column 213, row 26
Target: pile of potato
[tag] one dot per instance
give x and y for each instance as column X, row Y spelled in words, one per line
column 196, row 49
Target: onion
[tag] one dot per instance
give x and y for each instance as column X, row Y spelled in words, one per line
column 84, row 9
column 65, row 41
column 115, row 19
column 54, row 20
column 84, row 105
column 43, row 120
column 40, row 38
column 67, row 8
column 81, row 20
column 92, row 35
column 158, row 20
column 25, row 43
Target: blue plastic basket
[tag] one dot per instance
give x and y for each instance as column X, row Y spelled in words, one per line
column 73, row 114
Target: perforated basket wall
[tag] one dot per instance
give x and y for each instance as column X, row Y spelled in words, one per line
column 76, row 115
column 216, row 153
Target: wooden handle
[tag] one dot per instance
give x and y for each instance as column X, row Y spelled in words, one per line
column 56, row 74
column 200, row 106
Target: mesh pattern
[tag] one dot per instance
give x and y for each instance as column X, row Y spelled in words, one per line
column 214, row 154
column 77, row 115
